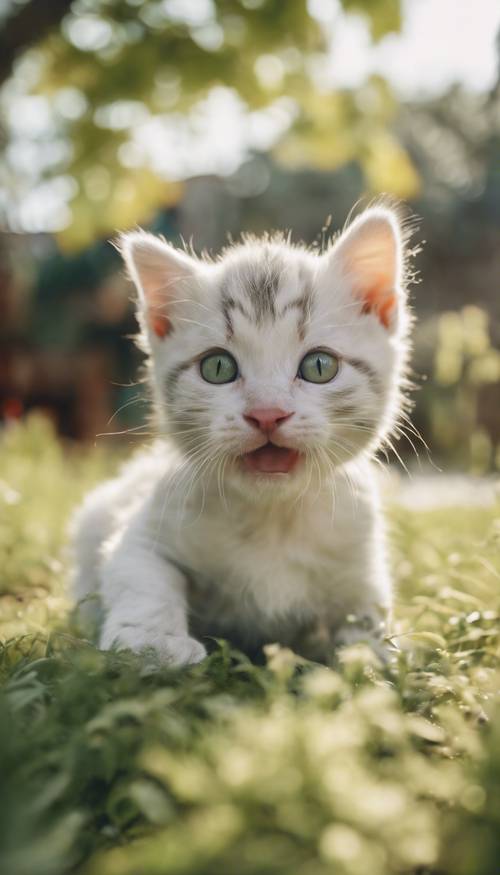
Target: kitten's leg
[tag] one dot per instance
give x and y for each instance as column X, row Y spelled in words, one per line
column 91, row 525
column 145, row 599
column 368, row 607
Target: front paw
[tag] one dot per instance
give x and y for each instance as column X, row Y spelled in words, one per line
column 182, row 650
column 363, row 631
column 175, row 650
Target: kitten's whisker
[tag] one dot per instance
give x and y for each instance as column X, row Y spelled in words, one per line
column 318, row 468
column 408, row 424
column 307, row 484
column 191, row 322
column 194, row 430
column 331, row 469
column 137, row 400
column 134, row 430
column 391, row 446
column 180, row 472
column 220, row 479
column 210, row 464
column 344, row 471
column 210, row 310
column 193, row 470
column 400, row 432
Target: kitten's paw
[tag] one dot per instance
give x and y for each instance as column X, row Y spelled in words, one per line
column 363, row 632
column 175, row 650
column 182, row 650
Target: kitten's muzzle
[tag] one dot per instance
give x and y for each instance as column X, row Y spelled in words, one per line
column 271, row 457
column 267, row 418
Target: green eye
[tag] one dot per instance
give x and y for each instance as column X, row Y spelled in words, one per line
column 220, row 367
column 318, row 367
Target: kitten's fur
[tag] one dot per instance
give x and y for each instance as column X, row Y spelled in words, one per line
column 185, row 543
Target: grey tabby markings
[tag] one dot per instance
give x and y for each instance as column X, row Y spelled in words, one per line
column 338, row 403
column 342, row 395
column 304, row 305
column 262, row 286
column 364, row 368
column 186, row 419
column 228, row 305
column 173, row 377
column 343, row 409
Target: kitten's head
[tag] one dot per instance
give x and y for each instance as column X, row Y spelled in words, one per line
column 275, row 361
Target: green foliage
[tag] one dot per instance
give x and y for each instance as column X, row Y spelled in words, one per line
column 456, row 402
column 39, row 484
column 114, row 64
column 110, row 768
column 385, row 15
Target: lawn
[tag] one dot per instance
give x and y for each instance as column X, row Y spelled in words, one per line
column 228, row 768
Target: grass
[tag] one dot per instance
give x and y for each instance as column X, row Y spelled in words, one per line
column 229, row 768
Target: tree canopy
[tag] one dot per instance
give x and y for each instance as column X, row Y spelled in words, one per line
column 107, row 67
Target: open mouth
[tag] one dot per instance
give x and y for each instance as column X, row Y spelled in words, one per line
column 271, row 459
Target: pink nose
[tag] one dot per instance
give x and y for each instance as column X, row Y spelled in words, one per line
column 267, row 418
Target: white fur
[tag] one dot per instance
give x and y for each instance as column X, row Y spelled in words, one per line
column 184, row 544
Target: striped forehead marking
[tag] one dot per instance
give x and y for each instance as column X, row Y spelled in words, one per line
column 260, row 286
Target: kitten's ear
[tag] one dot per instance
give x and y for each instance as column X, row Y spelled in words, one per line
column 159, row 272
column 370, row 256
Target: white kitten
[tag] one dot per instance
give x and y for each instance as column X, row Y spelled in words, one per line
column 276, row 374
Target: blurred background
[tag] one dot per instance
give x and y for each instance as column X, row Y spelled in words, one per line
column 200, row 119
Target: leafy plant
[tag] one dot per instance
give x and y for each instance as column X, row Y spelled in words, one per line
column 459, row 402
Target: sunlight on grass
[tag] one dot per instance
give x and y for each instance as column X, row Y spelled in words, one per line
column 111, row 769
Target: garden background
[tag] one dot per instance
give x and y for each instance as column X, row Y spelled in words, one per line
column 201, row 119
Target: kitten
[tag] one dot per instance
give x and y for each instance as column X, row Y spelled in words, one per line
column 276, row 374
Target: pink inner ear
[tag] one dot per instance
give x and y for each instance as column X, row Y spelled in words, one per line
column 159, row 323
column 381, row 300
column 370, row 258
